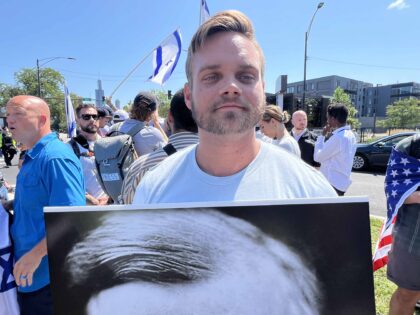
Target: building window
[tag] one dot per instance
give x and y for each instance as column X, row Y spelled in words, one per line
column 291, row 89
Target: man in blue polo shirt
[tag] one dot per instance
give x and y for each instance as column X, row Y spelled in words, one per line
column 51, row 175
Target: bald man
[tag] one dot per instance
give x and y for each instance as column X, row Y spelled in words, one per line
column 51, row 175
column 304, row 137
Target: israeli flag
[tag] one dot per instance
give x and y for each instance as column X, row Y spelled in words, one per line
column 165, row 58
column 8, row 295
column 204, row 12
column 70, row 117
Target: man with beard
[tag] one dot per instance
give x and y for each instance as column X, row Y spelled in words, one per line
column 225, row 92
column 82, row 145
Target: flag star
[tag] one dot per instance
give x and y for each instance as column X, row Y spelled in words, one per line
column 394, row 183
column 406, row 172
column 394, row 173
column 392, row 162
column 408, row 181
column 387, row 196
column 404, row 161
column 394, row 193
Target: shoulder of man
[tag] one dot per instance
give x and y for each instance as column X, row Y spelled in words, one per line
column 410, row 146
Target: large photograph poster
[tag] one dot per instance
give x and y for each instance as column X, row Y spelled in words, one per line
column 311, row 257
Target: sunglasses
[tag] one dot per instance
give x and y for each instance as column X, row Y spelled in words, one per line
column 89, row 116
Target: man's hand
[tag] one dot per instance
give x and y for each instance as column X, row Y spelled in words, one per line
column 326, row 130
column 155, row 118
column 25, row 267
column 92, row 200
column 103, row 201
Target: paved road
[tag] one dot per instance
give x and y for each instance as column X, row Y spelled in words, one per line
column 370, row 184
column 364, row 184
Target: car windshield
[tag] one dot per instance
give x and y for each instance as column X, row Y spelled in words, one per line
column 391, row 141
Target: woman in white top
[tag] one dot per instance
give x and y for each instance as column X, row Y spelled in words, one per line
column 272, row 126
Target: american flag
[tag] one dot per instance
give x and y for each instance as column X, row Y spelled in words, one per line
column 401, row 180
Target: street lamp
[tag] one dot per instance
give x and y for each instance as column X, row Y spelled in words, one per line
column 320, row 5
column 47, row 60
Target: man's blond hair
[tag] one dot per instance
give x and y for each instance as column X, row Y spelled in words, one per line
column 226, row 21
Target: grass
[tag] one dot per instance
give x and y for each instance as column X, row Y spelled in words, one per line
column 383, row 287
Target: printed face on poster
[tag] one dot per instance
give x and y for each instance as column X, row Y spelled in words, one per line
column 296, row 257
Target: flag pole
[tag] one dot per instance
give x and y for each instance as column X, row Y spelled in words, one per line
column 131, row 72
column 138, row 65
column 199, row 16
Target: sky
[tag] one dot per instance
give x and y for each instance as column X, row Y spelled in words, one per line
column 375, row 41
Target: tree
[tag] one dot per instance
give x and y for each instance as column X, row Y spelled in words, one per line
column 51, row 90
column 340, row 96
column 402, row 114
column 164, row 102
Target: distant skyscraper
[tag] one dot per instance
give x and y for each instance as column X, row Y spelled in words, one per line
column 118, row 104
column 99, row 94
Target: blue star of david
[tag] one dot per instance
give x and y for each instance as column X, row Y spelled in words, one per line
column 7, row 266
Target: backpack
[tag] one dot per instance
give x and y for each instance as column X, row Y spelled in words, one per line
column 113, row 155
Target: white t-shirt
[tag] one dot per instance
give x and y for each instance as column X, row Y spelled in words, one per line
column 147, row 140
column 286, row 142
column 90, row 173
column 274, row 174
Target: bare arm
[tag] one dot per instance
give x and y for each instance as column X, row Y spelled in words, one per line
column 156, row 124
column 413, row 198
column 25, row 267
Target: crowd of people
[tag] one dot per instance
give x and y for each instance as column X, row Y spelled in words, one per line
column 208, row 149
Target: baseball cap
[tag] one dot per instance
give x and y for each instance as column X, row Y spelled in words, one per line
column 147, row 98
column 103, row 112
column 120, row 115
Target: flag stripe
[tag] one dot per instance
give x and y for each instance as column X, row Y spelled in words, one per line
column 401, row 180
column 158, row 60
column 165, row 58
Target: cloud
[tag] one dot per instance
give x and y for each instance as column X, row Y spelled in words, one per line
column 398, row 4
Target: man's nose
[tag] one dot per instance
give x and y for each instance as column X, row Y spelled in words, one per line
column 231, row 87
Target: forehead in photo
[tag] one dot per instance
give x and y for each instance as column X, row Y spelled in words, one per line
column 140, row 263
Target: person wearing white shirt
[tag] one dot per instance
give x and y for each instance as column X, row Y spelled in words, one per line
column 272, row 126
column 336, row 154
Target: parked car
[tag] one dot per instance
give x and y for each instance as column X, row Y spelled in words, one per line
column 377, row 152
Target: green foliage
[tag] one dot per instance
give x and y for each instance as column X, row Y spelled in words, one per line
column 127, row 107
column 402, row 114
column 7, row 92
column 340, row 96
column 51, row 90
column 164, row 102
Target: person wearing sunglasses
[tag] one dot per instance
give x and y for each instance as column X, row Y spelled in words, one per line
column 272, row 126
column 88, row 122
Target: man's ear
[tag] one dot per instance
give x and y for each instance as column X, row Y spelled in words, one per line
column 42, row 120
column 187, row 95
column 170, row 118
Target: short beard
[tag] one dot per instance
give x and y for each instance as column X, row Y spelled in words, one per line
column 89, row 129
column 232, row 122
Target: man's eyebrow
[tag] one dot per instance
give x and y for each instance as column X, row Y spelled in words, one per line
column 215, row 67
column 209, row 67
column 248, row 67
